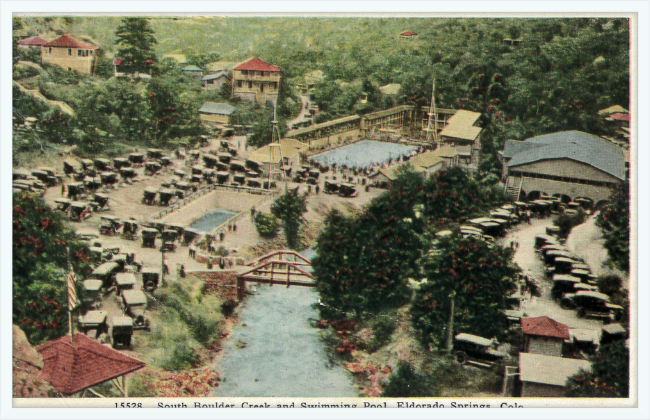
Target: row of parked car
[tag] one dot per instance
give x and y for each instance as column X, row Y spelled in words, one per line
column 148, row 231
column 116, row 270
column 35, row 181
column 574, row 286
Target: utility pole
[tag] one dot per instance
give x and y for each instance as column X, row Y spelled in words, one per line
column 162, row 263
column 450, row 325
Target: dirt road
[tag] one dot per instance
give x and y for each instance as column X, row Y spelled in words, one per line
column 532, row 265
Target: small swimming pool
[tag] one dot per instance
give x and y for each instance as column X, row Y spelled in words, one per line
column 211, row 220
column 363, row 154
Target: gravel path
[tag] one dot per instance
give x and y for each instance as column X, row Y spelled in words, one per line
column 531, row 264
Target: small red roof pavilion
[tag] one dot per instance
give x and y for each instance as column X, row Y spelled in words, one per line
column 73, row 367
column 544, row 326
column 32, row 41
column 66, row 41
column 256, row 64
column 619, row 116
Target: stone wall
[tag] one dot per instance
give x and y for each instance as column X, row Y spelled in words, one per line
column 221, row 283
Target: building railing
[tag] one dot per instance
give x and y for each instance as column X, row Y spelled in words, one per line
column 257, row 78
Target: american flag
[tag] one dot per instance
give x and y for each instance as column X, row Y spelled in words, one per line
column 72, row 293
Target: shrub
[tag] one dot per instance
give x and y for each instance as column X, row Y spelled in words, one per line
column 182, row 357
column 228, row 307
column 567, row 222
column 609, row 284
column 267, row 225
column 405, row 382
column 382, row 330
column 614, row 221
column 222, row 251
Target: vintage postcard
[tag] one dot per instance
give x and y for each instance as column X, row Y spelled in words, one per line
column 322, row 211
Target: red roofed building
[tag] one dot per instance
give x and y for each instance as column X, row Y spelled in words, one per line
column 619, row 116
column 407, row 34
column 32, row 42
column 257, row 81
column 69, row 53
column 73, row 367
column 544, row 335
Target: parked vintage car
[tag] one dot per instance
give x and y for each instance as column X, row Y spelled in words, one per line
column 93, row 324
column 122, row 331
column 611, row 333
column 109, row 225
column 106, row 273
column 150, row 278
column 93, row 291
column 149, row 237
column 124, row 281
column 475, row 350
column 79, row 210
column 348, row 190
column 134, row 303
column 592, row 305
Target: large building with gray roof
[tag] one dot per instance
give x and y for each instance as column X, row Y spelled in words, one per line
column 568, row 163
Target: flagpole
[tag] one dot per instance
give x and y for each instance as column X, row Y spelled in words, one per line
column 67, row 283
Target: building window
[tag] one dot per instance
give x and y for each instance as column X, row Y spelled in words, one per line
column 69, row 51
column 244, row 72
column 250, row 85
column 261, row 87
column 90, row 52
column 79, row 53
column 50, row 52
column 262, row 73
column 240, row 83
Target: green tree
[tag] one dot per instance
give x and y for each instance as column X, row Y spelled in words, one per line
column 614, row 222
column 290, row 208
column 609, row 376
column 201, row 60
column 267, row 225
column 405, row 382
column 514, row 32
column 136, row 41
column 132, row 110
column 363, row 262
column 478, row 275
column 40, row 268
column 172, row 114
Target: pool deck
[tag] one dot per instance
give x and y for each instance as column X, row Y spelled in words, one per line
column 216, row 200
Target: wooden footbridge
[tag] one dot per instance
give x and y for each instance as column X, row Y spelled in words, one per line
column 280, row 267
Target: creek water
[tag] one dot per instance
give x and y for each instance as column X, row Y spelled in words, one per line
column 276, row 352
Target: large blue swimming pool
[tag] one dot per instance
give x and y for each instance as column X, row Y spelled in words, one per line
column 211, row 220
column 363, row 154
